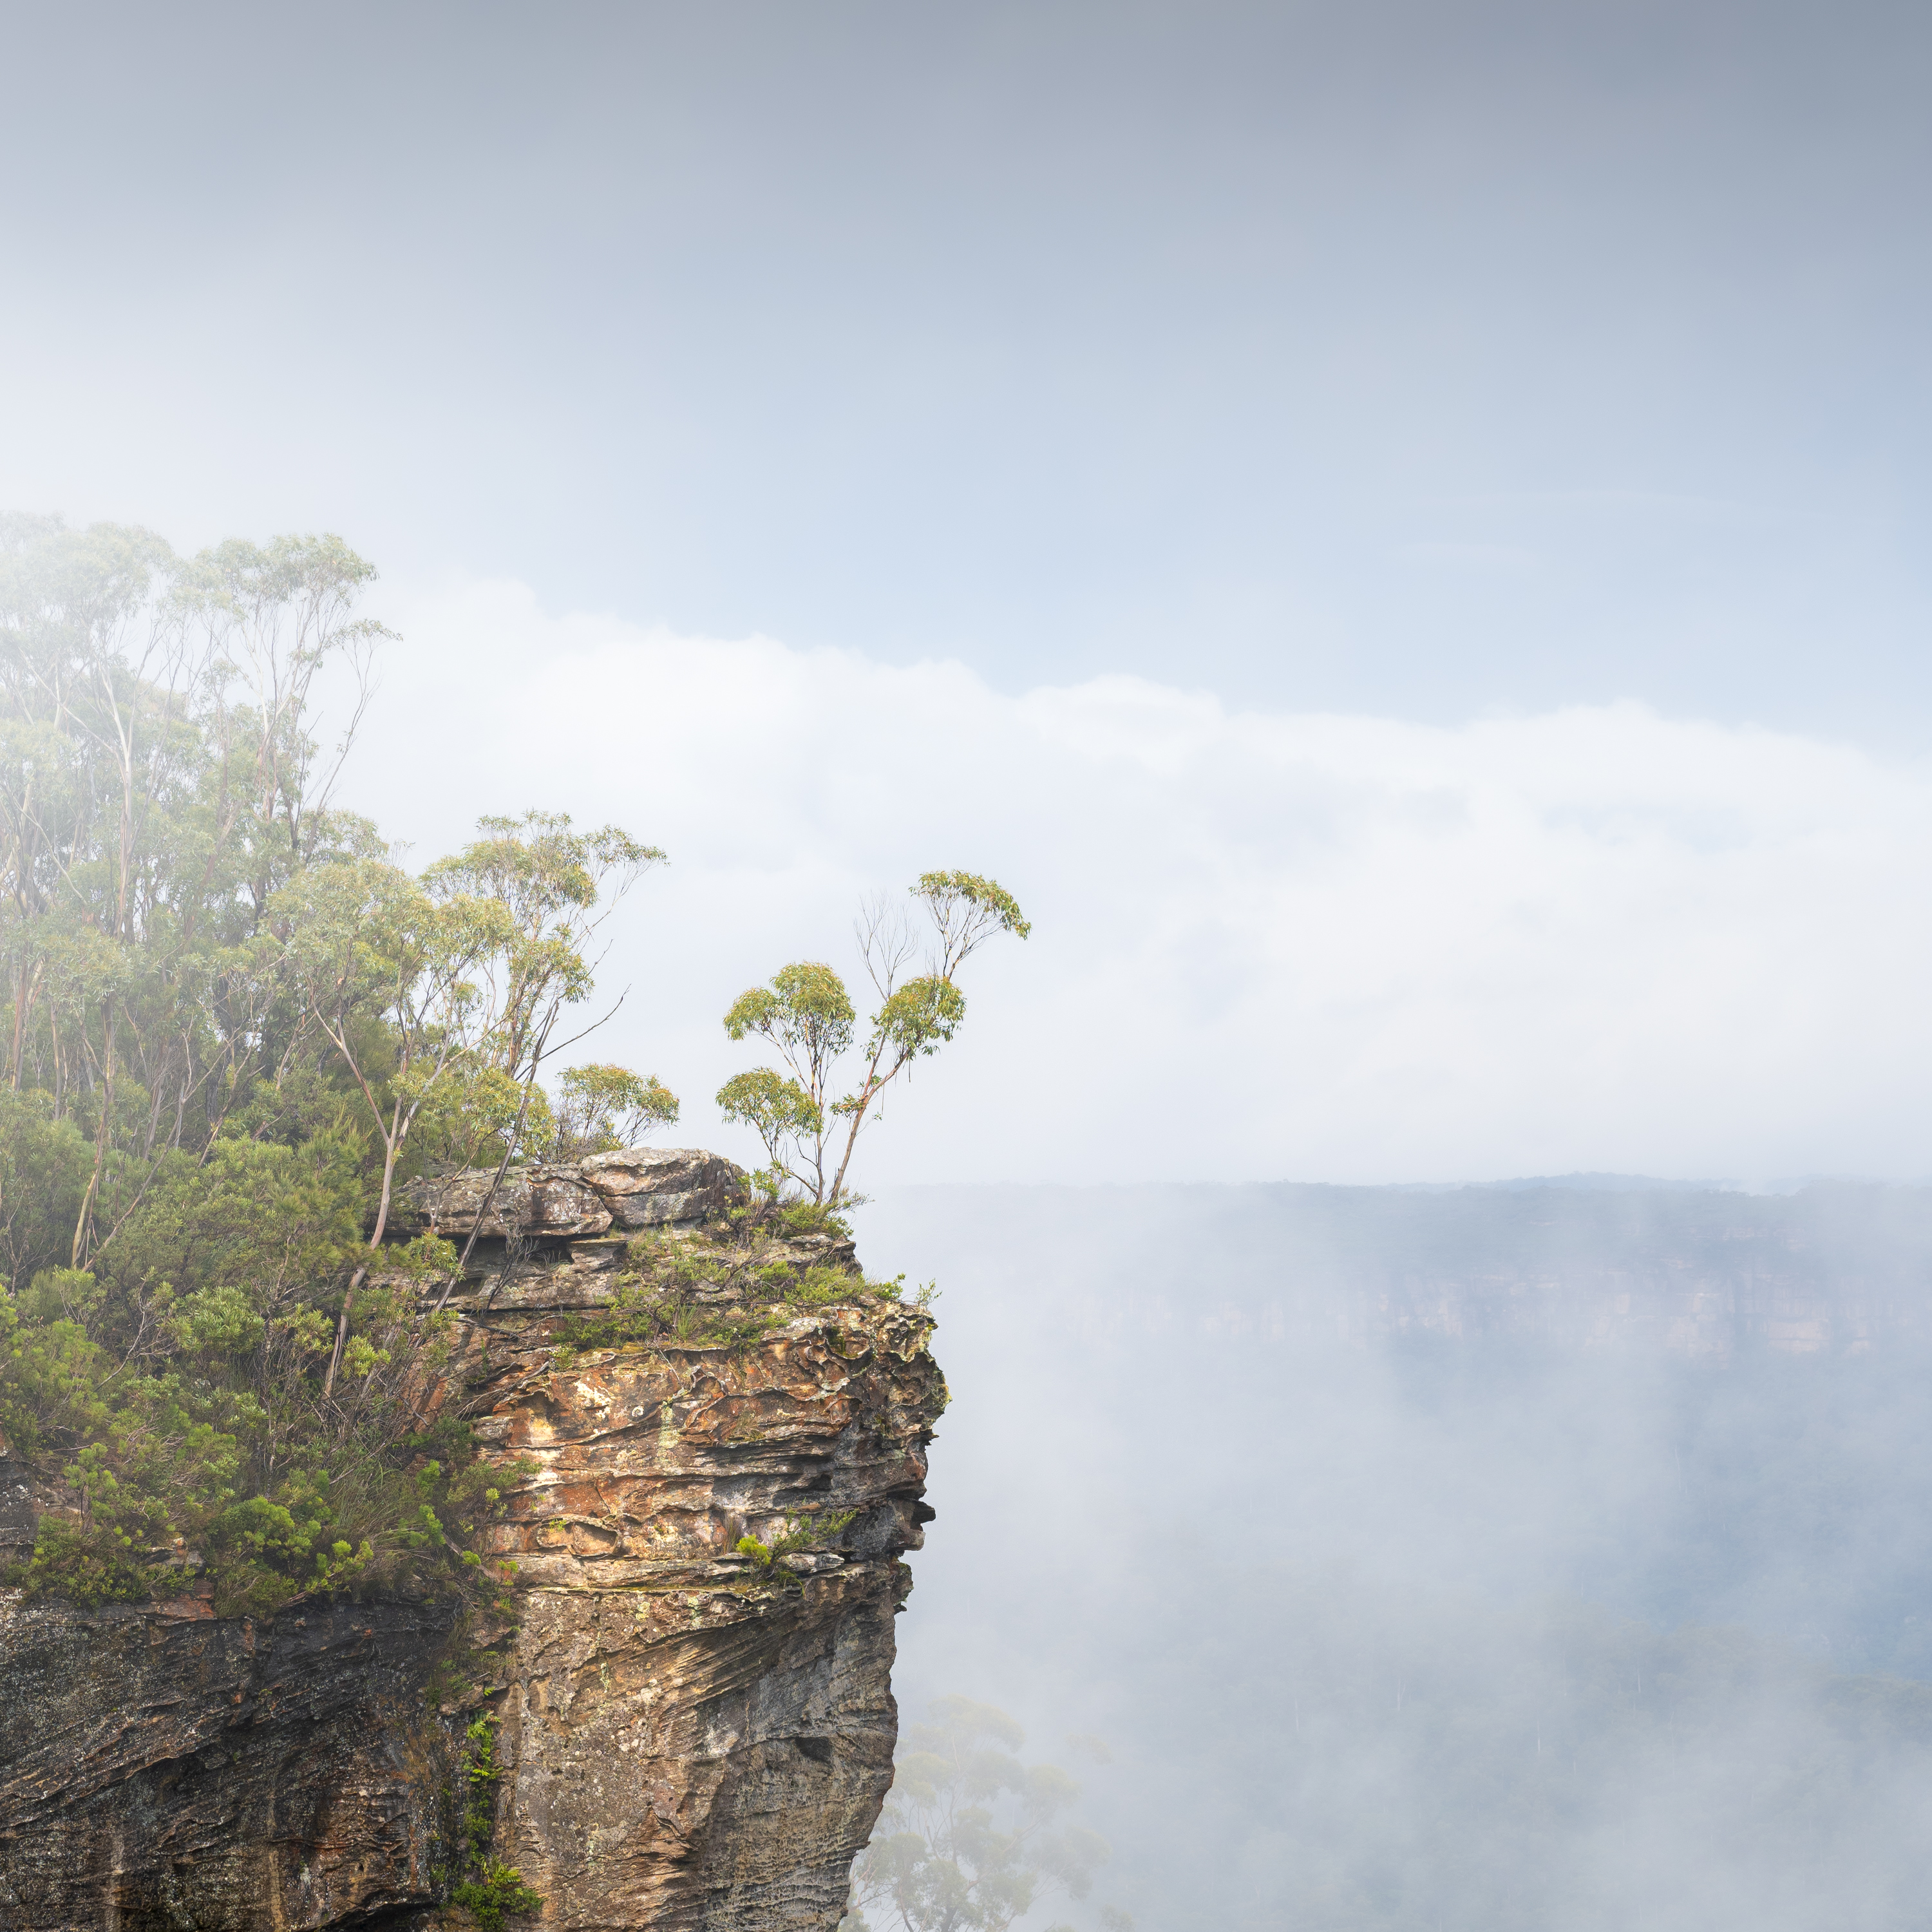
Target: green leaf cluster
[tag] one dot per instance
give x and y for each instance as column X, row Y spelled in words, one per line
column 806, row 1015
column 601, row 1109
column 230, row 1025
column 816, row 1529
column 491, row 1891
column 496, row 1892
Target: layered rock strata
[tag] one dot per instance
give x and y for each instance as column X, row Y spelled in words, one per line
column 690, row 1735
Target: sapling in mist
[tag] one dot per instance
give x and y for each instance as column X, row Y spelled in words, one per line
column 806, row 1014
column 972, row 1839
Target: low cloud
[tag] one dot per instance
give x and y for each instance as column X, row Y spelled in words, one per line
column 1266, row 945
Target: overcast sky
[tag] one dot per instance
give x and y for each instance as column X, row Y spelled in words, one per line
column 1398, row 529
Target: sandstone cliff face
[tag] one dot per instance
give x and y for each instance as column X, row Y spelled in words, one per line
column 690, row 1737
column 161, row 1767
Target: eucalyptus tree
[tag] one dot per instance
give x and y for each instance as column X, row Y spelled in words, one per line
column 384, row 972
column 548, row 890
column 600, row 1108
column 439, row 996
column 539, row 893
column 159, row 780
column 279, row 619
column 807, row 1016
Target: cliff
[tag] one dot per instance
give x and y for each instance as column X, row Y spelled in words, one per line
column 689, row 1736
column 1704, row 1275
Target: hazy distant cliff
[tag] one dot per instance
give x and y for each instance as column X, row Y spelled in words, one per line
column 1706, row 1275
column 689, row 1736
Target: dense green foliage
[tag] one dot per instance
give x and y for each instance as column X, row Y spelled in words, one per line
column 230, row 1025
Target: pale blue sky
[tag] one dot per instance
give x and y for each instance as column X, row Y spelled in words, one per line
column 1425, row 359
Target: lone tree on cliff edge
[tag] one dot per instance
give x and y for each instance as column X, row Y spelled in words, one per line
column 808, row 1015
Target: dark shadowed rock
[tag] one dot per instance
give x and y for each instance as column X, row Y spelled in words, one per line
column 163, row 1767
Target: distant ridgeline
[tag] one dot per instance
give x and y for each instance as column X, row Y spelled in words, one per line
column 1700, row 1274
column 1551, row 1560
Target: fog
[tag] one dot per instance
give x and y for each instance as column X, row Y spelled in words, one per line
column 1472, row 1557
column 1319, row 947
column 1439, row 358
column 1397, row 532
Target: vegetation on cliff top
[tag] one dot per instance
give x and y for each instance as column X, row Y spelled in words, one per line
column 728, row 1283
column 231, row 1025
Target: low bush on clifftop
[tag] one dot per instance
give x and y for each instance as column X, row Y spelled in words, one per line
column 728, row 1285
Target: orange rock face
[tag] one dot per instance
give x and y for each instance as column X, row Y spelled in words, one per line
column 692, row 1733
column 691, row 1736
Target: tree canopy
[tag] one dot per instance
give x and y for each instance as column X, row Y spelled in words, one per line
column 233, row 1023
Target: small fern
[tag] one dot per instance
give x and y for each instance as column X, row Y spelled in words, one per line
column 495, row 1889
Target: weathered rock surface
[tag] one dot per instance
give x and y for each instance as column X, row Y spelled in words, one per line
column 690, row 1737
column 638, row 1187
column 160, row 1767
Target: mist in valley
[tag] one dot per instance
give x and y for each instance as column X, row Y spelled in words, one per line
column 1397, row 533
column 1386, row 1626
